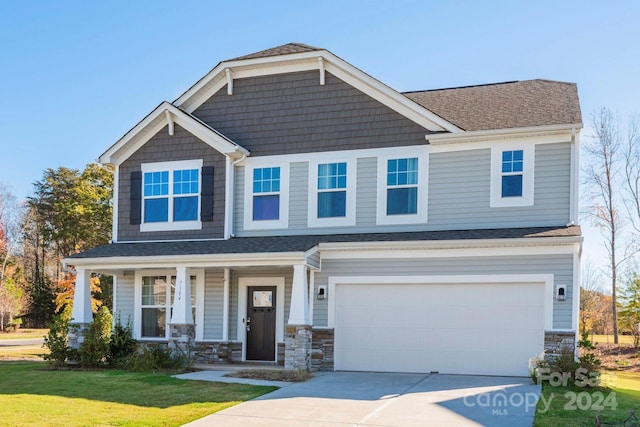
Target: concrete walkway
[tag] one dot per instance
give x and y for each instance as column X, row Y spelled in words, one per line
column 383, row 399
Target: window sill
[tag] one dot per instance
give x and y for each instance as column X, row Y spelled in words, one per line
column 171, row 226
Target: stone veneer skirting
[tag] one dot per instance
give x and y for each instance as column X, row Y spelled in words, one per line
column 557, row 341
column 297, row 351
column 212, row 352
column 322, row 343
column 76, row 334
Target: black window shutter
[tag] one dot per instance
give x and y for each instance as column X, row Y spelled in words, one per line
column 206, row 204
column 135, row 200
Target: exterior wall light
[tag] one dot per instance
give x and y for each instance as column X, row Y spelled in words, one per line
column 322, row 292
column 561, row 293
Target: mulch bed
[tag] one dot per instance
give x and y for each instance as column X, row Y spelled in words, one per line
column 621, row 357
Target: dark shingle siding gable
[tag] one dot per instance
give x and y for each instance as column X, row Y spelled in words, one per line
column 504, row 105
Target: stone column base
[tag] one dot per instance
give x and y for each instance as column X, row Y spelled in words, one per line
column 182, row 338
column 297, row 347
column 76, row 334
column 557, row 342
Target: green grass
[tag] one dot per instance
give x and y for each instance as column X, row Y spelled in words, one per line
column 22, row 352
column 571, row 407
column 608, row 339
column 30, row 396
column 23, row 334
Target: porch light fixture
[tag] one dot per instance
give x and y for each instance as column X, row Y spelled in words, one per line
column 561, row 293
column 322, row 292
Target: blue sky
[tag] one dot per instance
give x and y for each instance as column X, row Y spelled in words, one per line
column 77, row 75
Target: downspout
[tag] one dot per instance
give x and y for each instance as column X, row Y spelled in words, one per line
column 231, row 179
column 574, row 181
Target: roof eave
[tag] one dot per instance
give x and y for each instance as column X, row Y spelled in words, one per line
column 449, row 138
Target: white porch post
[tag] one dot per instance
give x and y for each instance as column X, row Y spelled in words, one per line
column 225, row 306
column 81, row 315
column 299, row 311
column 297, row 345
column 81, row 312
column 182, row 329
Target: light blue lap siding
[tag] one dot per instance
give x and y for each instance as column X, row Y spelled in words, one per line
column 298, row 195
column 459, row 185
column 124, row 309
column 458, row 192
column 561, row 266
column 213, row 300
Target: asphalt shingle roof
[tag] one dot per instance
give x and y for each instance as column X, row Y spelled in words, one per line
column 273, row 244
column 504, row 105
column 285, row 49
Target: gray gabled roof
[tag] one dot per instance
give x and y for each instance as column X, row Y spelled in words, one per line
column 285, row 49
column 504, row 105
column 274, row 244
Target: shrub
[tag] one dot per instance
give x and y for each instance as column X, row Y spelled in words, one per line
column 587, row 365
column 94, row 350
column 122, row 345
column 57, row 339
column 158, row 358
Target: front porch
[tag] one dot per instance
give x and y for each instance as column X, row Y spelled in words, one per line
column 236, row 314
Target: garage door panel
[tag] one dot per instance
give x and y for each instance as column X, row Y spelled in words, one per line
column 490, row 329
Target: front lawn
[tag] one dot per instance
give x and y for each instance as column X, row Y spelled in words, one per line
column 30, row 396
column 23, row 334
column 576, row 406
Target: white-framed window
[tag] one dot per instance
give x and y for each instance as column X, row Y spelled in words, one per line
column 402, row 187
column 171, row 195
column 512, row 175
column 332, row 191
column 154, row 296
column 266, row 194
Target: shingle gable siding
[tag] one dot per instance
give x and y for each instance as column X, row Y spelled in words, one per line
column 293, row 113
column 163, row 148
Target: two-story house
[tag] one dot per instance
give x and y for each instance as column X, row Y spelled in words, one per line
column 290, row 208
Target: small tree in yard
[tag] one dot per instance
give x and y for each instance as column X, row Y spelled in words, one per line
column 629, row 311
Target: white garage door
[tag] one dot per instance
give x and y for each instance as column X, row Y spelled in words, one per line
column 479, row 329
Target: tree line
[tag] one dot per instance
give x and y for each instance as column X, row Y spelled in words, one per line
column 69, row 211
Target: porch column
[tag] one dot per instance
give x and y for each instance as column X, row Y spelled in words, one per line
column 297, row 350
column 182, row 330
column 225, row 305
column 299, row 311
column 81, row 315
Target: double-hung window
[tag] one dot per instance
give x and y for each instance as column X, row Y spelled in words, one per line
column 331, row 193
column 155, row 303
column 512, row 168
column 332, row 190
column 171, row 195
column 402, row 187
column 266, row 195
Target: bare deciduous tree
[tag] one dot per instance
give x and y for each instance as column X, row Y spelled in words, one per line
column 602, row 175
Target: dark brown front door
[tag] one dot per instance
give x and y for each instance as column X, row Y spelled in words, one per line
column 261, row 323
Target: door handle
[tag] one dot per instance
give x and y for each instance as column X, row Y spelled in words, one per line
column 248, row 324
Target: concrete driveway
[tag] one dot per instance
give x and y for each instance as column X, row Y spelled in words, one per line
column 383, row 399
